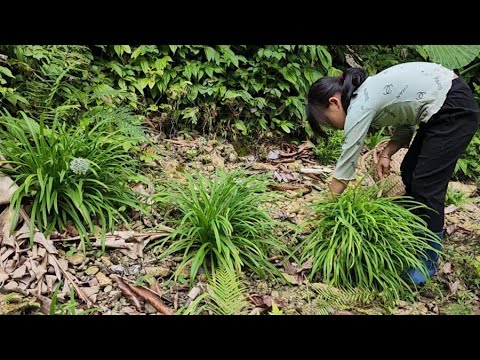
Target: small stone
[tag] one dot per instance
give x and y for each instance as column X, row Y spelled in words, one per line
column 158, row 271
column 77, row 258
column 149, row 309
column 117, row 269
column 93, row 282
column 115, row 294
column 275, row 294
column 107, row 289
column 134, row 269
column 106, row 261
column 92, row 270
column 103, row 280
column 210, row 168
column 295, row 166
column 262, row 166
column 232, row 157
column 217, row 161
column 273, row 155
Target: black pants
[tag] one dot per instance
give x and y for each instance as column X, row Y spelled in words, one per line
column 431, row 158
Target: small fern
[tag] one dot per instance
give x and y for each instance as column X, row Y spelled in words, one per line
column 226, row 294
column 334, row 298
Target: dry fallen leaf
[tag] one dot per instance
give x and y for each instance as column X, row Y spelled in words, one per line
column 453, row 287
column 449, row 209
column 447, row 268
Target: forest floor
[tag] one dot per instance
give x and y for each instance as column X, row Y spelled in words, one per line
column 300, row 179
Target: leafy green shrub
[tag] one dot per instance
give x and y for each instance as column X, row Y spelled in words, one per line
column 226, row 88
column 468, row 167
column 367, row 241
column 328, row 150
column 222, row 223
column 373, row 139
column 79, row 175
column 43, row 78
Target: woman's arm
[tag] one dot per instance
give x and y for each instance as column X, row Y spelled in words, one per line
column 337, row 187
column 392, row 147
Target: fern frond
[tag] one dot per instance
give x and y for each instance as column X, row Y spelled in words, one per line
column 226, row 294
column 331, row 298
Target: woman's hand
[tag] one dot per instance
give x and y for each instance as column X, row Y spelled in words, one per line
column 383, row 166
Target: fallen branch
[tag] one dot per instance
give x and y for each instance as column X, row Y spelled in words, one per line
column 180, row 142
column 308, row 161
column 153, row 293
column 126, row 289
column 281, row 161
column 152, row 298
column 315, row 171
column 285, row 187
column 110, row 236
column 314, row 177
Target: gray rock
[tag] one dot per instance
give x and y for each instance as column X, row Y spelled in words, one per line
column 158, row 271
column 77, row 258
column 117, row 269
column 149, row 309
column 273, row 155
column 103, row 280
column 92, row 270
column 115, row 294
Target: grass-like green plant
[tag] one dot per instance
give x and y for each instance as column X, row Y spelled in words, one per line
column 373, row 139
column 455, row 197
column 226, row 294
column 70, row 307
column 222, row 222
column 77, row 175
column 328, row 150
column 367, row 241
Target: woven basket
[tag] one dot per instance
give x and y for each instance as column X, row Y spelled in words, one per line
column 393, row 184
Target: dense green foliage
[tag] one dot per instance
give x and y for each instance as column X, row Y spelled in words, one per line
column 221, row 223
column 69, row 174
column 364, row 240
column 238, row 90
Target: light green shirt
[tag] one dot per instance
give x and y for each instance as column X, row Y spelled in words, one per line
column 401, row 96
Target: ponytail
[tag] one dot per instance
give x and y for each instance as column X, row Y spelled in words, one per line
column 327, row 86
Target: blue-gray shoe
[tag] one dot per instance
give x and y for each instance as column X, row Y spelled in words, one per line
column 431, row 262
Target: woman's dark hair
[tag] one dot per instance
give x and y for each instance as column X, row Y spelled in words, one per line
column 327, row 86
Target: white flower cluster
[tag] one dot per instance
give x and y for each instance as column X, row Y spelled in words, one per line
column 79, row 166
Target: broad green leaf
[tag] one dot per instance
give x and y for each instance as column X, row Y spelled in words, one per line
column 240, row 125
column 452, row 56
column 6, row 71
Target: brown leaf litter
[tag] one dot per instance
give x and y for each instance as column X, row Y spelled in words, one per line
column 36, row 269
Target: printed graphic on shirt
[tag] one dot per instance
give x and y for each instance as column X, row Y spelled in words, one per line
column 420, row 95
column 402, row 92
column 387, row 89
column 365, row 94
